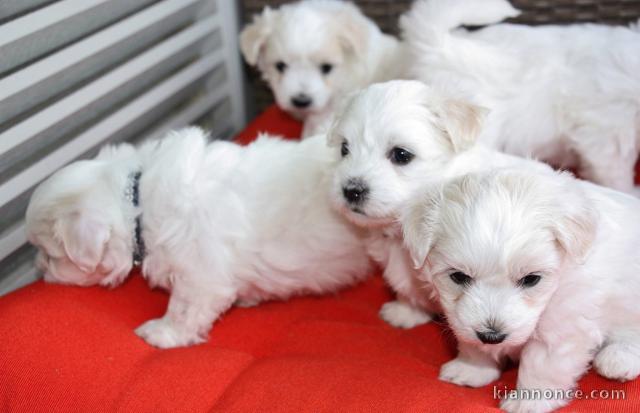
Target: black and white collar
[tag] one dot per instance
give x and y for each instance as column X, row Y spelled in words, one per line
column 132, row 194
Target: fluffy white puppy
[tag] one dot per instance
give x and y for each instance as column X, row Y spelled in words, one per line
column 312, row 52
column 220, row 223
column 536, row 266
column 394, row 138
column 568, row 95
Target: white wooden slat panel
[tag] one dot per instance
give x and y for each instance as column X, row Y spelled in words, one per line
column 191, row 113
column 69, row 105
column 13, row 240
column 57, row 72
column 230, row 21
column 105, row 129
column 50, row 67
column 36, row 33
column 23, row 276
column 10, row 8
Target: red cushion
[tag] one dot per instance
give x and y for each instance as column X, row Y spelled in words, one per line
column 73, row 349
column 274, row 121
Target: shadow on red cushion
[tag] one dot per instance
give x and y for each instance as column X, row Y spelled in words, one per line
column 73, row 349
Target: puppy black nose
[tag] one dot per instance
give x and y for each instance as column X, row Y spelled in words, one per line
column 355, row 192
column 491, row 336
column 301, row 101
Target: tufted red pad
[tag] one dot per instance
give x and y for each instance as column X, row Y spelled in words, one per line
column 73, row 349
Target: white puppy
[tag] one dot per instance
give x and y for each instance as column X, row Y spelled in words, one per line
column 569, row 95
column 220, row 224
column 312, row 52
column 395, row 137
column 537, row 266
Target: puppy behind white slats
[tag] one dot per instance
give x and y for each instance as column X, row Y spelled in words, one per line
column 311, row 52
column 532, row 265
column 394, row 138
column 568, row 95
column 220, row 223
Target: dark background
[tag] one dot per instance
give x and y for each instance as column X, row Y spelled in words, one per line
column 386, row 12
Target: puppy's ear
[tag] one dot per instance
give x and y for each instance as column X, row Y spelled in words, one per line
column 255, row 35
column 420, row 225
column 461, row 121
column 83, row 236
column 353, row 31
column 576, row 224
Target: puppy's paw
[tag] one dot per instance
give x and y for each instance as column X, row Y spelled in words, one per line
column 617, row 362
column 531, row 406
column 403, row 315
column 160, row 333
column 463, row 373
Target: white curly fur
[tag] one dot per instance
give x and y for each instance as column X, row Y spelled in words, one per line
column 306, row 34
column 568, row 95
column 501, row 226
column 221, row 223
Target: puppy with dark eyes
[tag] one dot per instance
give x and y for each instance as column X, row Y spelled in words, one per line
column 214, row 223
column 535, row 266
column 394, row 138
column 313, row 52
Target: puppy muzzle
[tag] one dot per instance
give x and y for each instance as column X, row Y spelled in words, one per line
column 355, row 192
column 491, row 337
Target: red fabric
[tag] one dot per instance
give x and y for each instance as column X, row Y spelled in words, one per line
column 73, row 349
column 272, row 120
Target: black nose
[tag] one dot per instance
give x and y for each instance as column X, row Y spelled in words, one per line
column 355, row 192
column 301, row 101
column 491, row 336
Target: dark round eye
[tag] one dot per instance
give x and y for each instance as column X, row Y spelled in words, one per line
column 344, row 149
column 400, row 156
column 529, row 281
column 326, row 68
column 281, row 66
column 460, row 278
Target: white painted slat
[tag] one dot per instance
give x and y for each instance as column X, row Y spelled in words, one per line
column 191, row 113
column 55, row 73
column 230, row 21
column 24, row 275
column 10, row 8
column 106, row 128
column 13, row 240
column 40, row 20
column 66, row 107
column 36, row 33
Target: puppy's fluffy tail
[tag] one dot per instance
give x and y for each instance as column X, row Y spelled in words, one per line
column 429, row 20
column 175, row 162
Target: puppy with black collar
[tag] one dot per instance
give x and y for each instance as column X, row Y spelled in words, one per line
column 214, row 223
